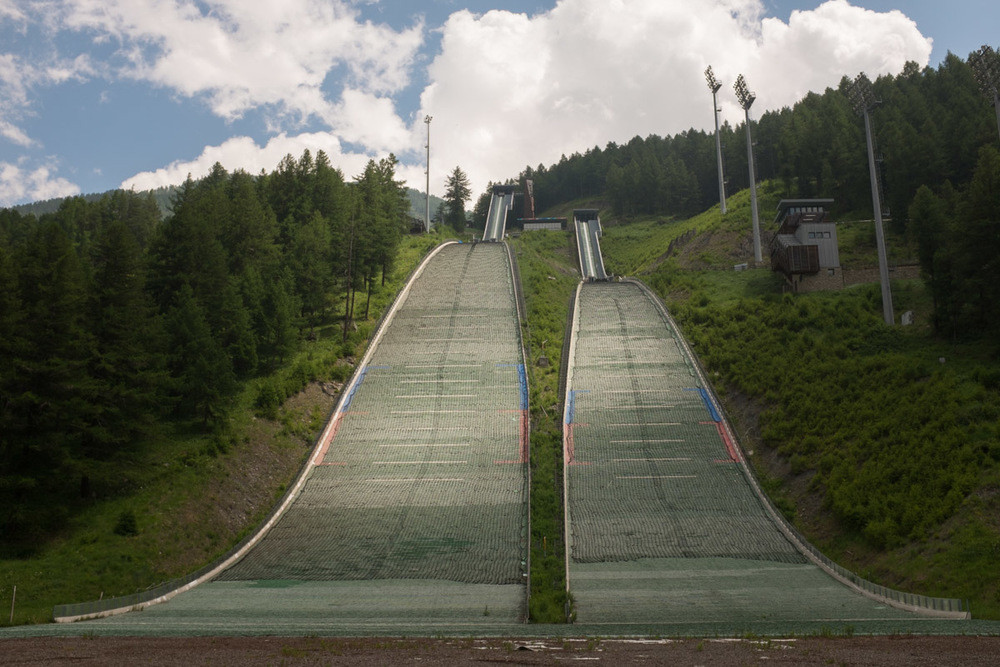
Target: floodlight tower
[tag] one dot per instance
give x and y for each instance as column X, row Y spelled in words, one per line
column 746, row 98
column 863, row 100
column 986, row 68
column 714, row 86
column 427, row 172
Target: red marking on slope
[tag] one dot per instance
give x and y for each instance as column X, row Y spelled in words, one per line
column 568, row 447
column 734, row 455
column 328, row 435
column 730, row 447
column 523, row 437
column 525, row 427
column 569, row 455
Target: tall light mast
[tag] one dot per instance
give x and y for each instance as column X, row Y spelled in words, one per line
column 714, row 86
column 863, row 100
column 427, row 172
column 746, row 98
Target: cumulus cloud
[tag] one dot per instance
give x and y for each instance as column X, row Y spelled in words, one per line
column 244, row 153
column 505, row 90
column 509, row 90
column 246, row 55
column 19, row 183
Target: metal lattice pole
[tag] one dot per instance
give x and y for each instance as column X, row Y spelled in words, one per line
column 714, row 86
column 747, row 98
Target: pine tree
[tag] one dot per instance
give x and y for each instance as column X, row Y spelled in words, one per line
column 201, row 369
column 127, row 360
column 457, row 192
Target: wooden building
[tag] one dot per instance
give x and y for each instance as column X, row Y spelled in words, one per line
column 804, row 248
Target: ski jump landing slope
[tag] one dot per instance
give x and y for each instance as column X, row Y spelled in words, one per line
column 665, row 526
column 412, row 514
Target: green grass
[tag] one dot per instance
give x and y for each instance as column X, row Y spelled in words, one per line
column 546, row 260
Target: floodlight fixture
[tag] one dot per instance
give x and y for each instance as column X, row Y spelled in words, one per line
column 743, row 93
column 427, row 172
column 863, row 100
column 985, row 64
column 862, row 95
column 714, row 86
column 746, row 98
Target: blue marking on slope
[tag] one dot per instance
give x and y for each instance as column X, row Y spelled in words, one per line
column 716, row 417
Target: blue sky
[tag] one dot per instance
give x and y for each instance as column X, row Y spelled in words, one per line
column 97, row 94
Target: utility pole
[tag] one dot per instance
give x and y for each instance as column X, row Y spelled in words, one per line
column 714, row 86
column 985, row 64
column 863, row 100
column 746, row 98
column 427, row 173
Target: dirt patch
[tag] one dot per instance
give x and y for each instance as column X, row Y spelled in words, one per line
column 248, row 479
column 811, row 517
column 714, row 249
column 186, row 651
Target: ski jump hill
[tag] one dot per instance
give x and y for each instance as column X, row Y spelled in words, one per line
column 411, row 514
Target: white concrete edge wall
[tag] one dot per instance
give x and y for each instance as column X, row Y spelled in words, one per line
column 570, row 358
column 518, row 300
column 299, row 482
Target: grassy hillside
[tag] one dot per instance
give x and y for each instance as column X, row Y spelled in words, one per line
column 881, row 442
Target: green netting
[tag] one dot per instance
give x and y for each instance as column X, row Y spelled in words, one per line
column 651, row 476
column 664, row 522
column 704, row 590
column 425, row 477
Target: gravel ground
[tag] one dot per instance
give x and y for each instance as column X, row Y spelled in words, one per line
column 909, row 650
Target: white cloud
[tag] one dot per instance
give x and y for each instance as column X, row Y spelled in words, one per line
column 245, row 55
column 509, row 90
column 19, row 77
column 244, row 153
column 9, row 10
column 368, row 120
column 505, row 91
column 15, row 135
column 18, row 184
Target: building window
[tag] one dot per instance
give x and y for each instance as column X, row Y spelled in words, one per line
column 812, row 235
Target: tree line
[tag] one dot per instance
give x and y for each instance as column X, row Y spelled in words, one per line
column 113, row 319
column 930, row 128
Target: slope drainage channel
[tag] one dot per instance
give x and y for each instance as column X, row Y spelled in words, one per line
column 412, row 514
column 666, row 525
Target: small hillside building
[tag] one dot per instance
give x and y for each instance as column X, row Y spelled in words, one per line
column 804, row 247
